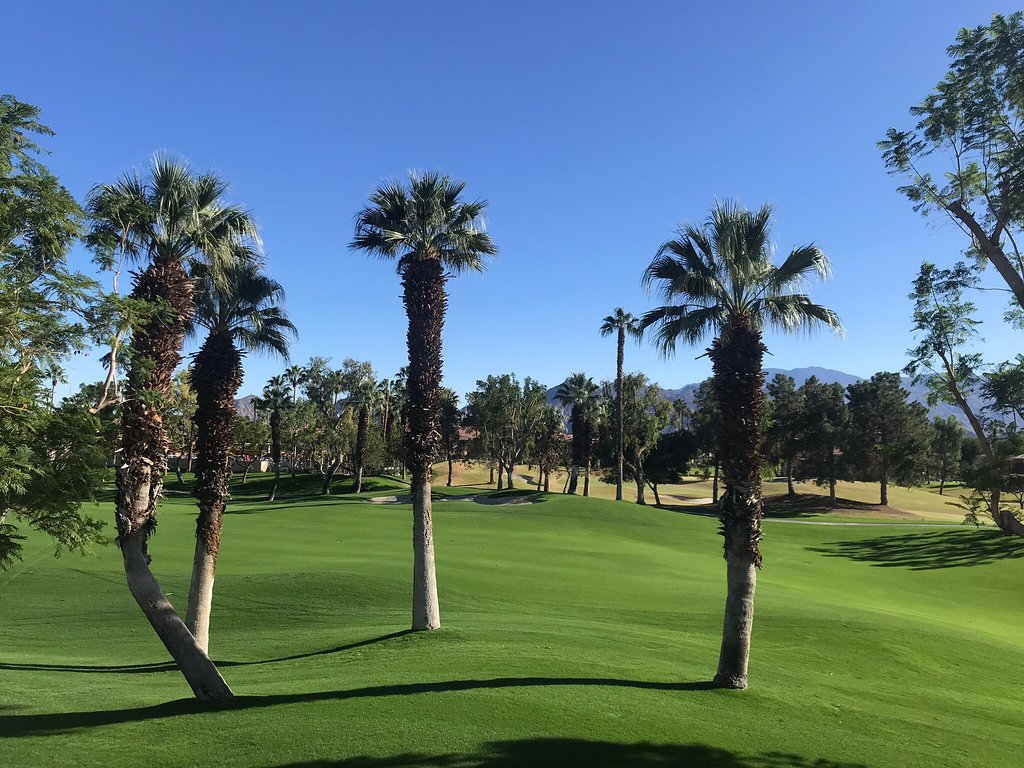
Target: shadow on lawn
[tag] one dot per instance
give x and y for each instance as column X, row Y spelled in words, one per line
column 60, row 722
column 557, row 753
column 167, row 666
column 927, row 551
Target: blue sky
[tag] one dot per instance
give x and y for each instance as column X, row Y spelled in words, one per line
column 592, row 129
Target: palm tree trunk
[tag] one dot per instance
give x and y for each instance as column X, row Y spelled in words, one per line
column 216, row 376
column 738, row 378
column 586, row 479
column 619, row 439
column 143, row 462
column 275, row 451
column 361, row 430
column 425, row 302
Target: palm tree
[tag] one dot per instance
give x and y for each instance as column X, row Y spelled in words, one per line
column 363, row 398
column 239, row 307
column 620, row 323
column 275, row 398
column 427, row 229
column 296, row 376
column 718, row 280
column 164, row 219
column 578, row 393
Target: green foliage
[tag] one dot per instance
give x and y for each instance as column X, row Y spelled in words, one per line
column 825, row 418
column 507, row 414
column 646, row 414
column 51, row 459
column 946, row 446
column 785, row 434
column 889, row 437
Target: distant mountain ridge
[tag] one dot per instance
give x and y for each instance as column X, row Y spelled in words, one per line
column 918, row 392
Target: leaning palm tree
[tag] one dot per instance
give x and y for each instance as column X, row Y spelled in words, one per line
column 239, row 307
column 164, row 219
column 275, row 397
column 620, row 323
column 719, row 280
column 578, row 393
column 427, row 229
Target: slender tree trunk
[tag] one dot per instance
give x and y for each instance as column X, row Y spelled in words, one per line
column 245, row 471
column 619, row 436
column 508, row 474
column 450, row 469
column 832, row 491
column 215, row 376
column 177, row 470
column 737, row 383
column 362, row 431
column 574, row 476
column 789, row 478
column 490, row 479
column 325, row 486
column 275, row 451
column 425, row 302
column 883, row 489
column 547, row 481
column 942, row 483
column 714, row 484
column 586, row 478
column 501, row 476
column 640, row 483
column 657, row 498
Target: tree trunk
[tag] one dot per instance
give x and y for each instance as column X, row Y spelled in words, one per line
column 275, row 451
column 200, row 673
column 362, row 431
column 490, row 479
column 215, row 376
column 425, row 302
column 737, row 383
column 992, row 251
column 245, row 471
column 883, row 489
column 177, row 470
column 450, row 468
column 325, row 486
column 143, row 461
column 586, row 479
column 739, row 617
column 789, row 478
column 619, row 438
column 501, row 476
column 832, row 491
column 508, row 474
column 942, row 483
column 657, row 498
column 640, row 497
column 547, row 481
column 714, row 484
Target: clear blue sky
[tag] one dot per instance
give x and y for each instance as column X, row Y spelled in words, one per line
column 592, row 128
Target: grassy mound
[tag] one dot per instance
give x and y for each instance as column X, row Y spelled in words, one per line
column 576, row 632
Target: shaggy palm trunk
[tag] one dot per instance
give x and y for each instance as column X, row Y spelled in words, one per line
column 275, row 451
column 361, row 430
column 156, row 353
column 578, row 434
column 425, row 302
column 738, row 377
column 216, row 376
column 619, row 440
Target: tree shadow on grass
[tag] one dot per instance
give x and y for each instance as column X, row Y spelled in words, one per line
column 166, row 666
column 559, row 753
column 62, row 722
column 928, row 551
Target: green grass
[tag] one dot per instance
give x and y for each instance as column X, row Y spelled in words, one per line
column 576, row 632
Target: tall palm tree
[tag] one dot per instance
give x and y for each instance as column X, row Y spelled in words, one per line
column 427, row 229
column 578, row 393
column 620, row 323
column 718, row 280
column 164, row 219
column 239, row 307
column 363, row 398
column 276, row 399
column 296, row 376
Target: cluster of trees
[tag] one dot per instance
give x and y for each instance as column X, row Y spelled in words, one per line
column 199, row 271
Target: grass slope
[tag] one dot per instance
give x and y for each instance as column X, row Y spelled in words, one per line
column 576, row 632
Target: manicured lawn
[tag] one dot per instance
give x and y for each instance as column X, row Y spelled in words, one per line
column 576, row 632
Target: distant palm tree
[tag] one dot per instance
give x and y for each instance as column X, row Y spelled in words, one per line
column 363, row 398
column 295, row 375
column 427, row 229
column 719, row 280
column 275, row 399
column 240, row 308
column 578, row 393
column 620, row 323
column 164, row 219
